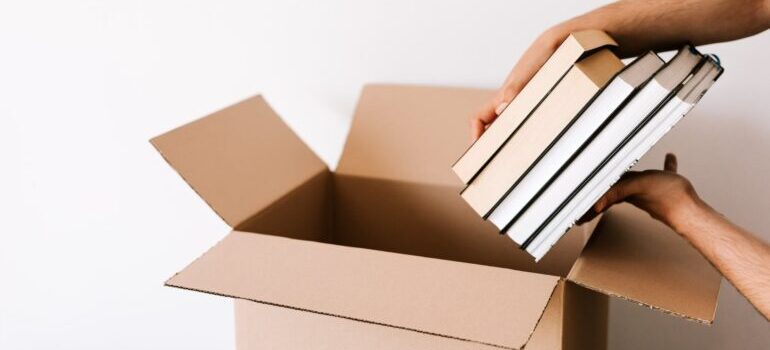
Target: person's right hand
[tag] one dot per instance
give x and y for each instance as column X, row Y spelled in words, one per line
column 664, row 194
column 529, row 63
column 637, row 26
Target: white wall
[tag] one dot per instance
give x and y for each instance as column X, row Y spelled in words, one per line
column 93, row 220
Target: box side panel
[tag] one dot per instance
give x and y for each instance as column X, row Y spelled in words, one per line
column 433, row 221
column 304, row 213
column 635, row 257
column 410, row 133
column 471, row 302
column 548, row 333
column 240, row 159
column 585, row 318
column 260, row 326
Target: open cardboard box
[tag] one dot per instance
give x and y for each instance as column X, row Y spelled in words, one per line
column 384, row 254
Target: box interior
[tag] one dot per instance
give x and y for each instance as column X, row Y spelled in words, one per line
column 402, row 217
column 393, row 191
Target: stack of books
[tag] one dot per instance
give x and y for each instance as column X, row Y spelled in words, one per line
column 558, row 147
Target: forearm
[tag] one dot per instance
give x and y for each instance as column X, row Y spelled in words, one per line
column 638, row 26
column 642, row 25
column 740, row 256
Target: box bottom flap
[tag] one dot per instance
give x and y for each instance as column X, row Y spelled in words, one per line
column 635, row 257
column 477, row 303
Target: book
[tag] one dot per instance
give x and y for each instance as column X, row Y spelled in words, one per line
column 566, row 100
column 611, row 151
column 576, row 136
column 576, row 46
column 648, row 134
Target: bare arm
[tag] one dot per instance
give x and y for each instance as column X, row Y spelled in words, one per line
column 638, row 26
column 740, row 256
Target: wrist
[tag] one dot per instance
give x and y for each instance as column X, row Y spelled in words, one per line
column 690, row 210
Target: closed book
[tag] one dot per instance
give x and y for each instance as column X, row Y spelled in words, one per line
column 610, row 100
column 570, row 95
column 575, row 47
column 647, row 133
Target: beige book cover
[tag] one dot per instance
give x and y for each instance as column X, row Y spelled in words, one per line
column 542, row 127
column 577, row 45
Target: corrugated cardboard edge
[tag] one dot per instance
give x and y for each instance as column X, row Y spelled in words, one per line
column 348, row 318
column 152, row 142
column 168, row 283
column 542, row 313
column 595, row 225
column 652, row 307
column 231, row 225
column 238, row 132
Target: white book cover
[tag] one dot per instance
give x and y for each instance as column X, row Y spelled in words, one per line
column 558, row 191
column 614, row 136
column 569, row 143
column 649, row 135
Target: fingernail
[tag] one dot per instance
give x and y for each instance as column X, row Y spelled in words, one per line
column 500, row 108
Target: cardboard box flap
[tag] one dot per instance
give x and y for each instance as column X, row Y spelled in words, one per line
column 476, row 303
column 410, row 133
column 239, row 159
column 635, row 257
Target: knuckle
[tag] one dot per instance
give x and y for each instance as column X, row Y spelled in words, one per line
column 685, row 184
column 510, row 91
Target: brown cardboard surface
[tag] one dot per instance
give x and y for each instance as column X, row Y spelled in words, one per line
column 637, row 258
column 575, row 318
column 408, row 292
column 585, row 318
column 433, row 221
column 402, row 200
column 231, row 158
column 261, row 326
column 548, row 333
column 574, row 47
column 410, row 133
column 303, row 213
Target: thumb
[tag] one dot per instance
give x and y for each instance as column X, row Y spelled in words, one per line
column 501, row 107
column 670, row 163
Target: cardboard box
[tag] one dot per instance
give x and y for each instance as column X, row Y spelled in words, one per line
column 384, row 254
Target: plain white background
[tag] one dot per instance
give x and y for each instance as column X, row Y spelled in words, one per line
column 93, row 220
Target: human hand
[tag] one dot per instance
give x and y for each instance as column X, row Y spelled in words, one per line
column 664, row 194
column 637, row 26
column 529, row 63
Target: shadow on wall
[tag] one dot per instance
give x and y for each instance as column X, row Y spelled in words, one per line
column 728, row 161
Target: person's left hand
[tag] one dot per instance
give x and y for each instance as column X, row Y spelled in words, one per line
column 664, row 194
